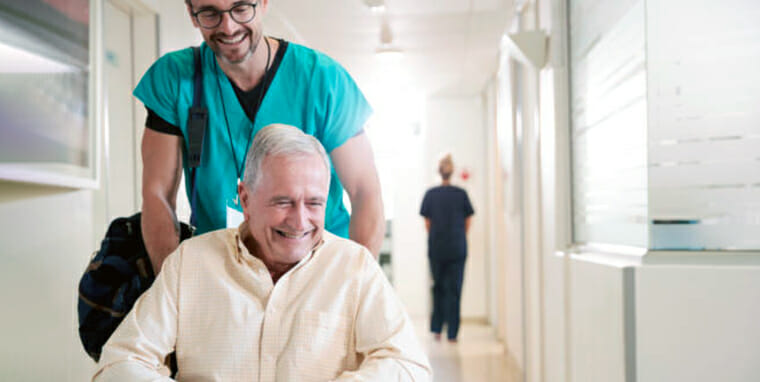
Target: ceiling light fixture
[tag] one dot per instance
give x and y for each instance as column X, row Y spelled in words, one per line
column 376, row 6
column 390, row 52
column 387, row 48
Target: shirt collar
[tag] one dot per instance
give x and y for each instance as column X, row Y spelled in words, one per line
column 242, row 253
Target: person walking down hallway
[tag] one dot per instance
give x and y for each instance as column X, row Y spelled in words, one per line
column 448, row 213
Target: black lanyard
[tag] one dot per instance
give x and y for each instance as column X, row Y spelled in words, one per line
column 263, row 84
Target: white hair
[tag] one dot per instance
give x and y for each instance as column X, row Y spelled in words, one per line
column 279, row 140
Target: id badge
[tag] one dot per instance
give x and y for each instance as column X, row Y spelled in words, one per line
column 234, row 214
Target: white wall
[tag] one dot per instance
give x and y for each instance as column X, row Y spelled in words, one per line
column 492, row 221
column 508, row 209
column 529, row 139
column 698, row 323
column 411, row 275
column 46, row 238
column 597, row 316
column 555, row 175
column 176, row 31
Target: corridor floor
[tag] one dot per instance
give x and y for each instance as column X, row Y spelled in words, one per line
column 476, row 357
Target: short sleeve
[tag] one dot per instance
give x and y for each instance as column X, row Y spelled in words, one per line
column 425, row 208
column 345, row 108
column 468, row 211
column 156, row 123
column 158, row 89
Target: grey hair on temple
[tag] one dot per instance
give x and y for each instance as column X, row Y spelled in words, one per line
column 279, row 140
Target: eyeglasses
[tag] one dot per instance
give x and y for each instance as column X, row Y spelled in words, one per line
column 210, row 18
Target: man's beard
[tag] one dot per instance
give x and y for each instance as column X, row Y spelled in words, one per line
column 253, row 41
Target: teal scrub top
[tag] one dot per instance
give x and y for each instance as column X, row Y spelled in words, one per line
column 309, row 90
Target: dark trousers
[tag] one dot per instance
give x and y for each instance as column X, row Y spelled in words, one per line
column 447, row 292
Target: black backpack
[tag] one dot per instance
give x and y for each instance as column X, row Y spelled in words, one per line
column 117, row 275
column 120, row 271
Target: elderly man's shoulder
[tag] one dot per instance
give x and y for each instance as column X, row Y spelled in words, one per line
column 209, row 247
column 345, row 251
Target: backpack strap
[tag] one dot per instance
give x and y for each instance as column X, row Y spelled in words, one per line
column 196, row 128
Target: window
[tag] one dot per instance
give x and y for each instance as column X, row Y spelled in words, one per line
column 666, row 130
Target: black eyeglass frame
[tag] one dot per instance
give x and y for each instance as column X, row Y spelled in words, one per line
column 219, row 13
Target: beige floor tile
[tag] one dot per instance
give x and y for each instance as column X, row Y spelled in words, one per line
column 476, row 357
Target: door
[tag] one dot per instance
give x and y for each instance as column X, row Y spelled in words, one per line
column 120, row 134
column 129, row 47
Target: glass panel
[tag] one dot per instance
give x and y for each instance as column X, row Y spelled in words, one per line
column 704, row 139
column 44, row 75
column 609, row 122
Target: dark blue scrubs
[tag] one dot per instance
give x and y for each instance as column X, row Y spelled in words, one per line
column 447, row 207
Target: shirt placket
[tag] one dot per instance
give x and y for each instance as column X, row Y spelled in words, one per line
column 270, row 331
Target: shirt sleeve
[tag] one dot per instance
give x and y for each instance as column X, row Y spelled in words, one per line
column 156, row 123
column 384, row 334
column 159, row 88
column 425, row 208
column 468, row 211
column 137, row 349
column 346, row 109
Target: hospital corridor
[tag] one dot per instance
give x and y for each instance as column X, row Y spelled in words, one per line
column 554, row 190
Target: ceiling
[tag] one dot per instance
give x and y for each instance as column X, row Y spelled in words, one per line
column 450, row 46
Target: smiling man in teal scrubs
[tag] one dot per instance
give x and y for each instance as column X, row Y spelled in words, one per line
column 250, row 81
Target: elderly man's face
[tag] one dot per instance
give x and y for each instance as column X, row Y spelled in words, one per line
column 286, row 210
